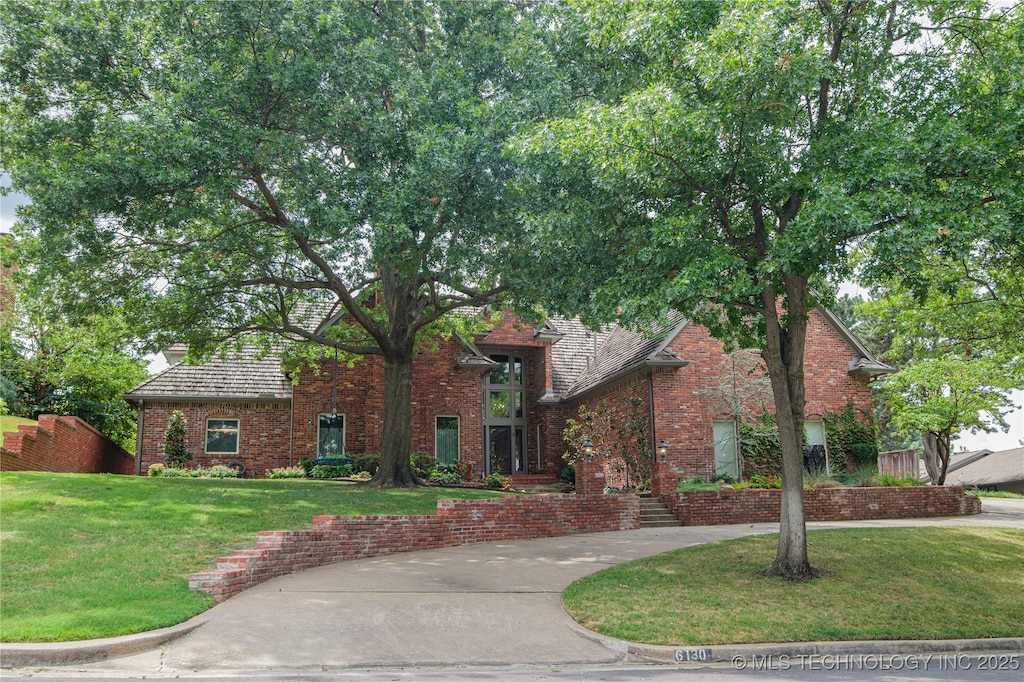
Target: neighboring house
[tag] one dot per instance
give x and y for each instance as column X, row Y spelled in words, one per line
column 499, row 401
column 1002, row 470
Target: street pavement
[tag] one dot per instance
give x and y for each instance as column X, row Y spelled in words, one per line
column 491, row 604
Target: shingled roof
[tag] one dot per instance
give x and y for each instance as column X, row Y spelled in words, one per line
column 623, row 351
column 240, row 375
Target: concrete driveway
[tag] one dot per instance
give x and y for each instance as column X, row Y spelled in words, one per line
column 484, row 604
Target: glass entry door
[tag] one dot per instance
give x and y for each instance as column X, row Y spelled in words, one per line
column 505, row 417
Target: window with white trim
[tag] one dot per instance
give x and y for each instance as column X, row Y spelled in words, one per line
column 330, row 435
column 222, row 436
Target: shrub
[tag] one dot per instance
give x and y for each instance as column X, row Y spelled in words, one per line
column 286, row 472
column 216, row 471
column 368, row 462
column 322, row 471
column 155, row 469
column 567, row 474
column 865, row 454
column 498, row 482
column 446, row 473
column 307, row 466
column 422, row 463
column 819, row 478
column 723, row 478
column 861, row 477
column 770, row 481
column 365, row 475
column 888, row 480
column 175, row 446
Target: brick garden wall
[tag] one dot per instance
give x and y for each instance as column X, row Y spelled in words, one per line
column 458, row 522
column 719, row 507
column 64, row 445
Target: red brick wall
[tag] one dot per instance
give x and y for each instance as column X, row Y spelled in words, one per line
column 719, row 507
column 458, row 522
column 63, row 444
column 263, row 433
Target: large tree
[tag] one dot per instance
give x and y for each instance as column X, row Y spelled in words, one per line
column 753, row 144
column 329, row 171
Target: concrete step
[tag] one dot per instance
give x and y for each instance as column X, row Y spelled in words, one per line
column 654, row 514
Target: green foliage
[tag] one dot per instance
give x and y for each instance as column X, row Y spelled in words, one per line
column 861, row 477
column 255, row 170
column 175, row 444
column 216, row 471
column 567, row 474
column 367, row 461
column 286, row 472
column 155, row 470
column 307, row 466
column 762, row 454
column 888, row 480
column 850, row 441
column 422, row 464
column 769, row 481
column 820, row 479
column 446, row 473
column 497, row 482
column 697, row 483
column 321, row 471
column 68, row 363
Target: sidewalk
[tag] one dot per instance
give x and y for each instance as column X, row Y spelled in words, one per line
column 483, row 604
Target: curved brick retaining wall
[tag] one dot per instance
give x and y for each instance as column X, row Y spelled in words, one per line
column 458, row 522
column 719, row 507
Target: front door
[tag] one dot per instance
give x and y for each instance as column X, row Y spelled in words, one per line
column 505, row 417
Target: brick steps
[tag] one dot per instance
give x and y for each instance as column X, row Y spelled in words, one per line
column 654, row 514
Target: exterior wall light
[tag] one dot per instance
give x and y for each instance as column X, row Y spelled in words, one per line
column 588, row 451
column 662, row 449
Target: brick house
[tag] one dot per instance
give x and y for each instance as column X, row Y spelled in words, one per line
column 499, row 401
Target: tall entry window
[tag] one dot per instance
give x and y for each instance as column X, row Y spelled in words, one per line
column 725, row 448
column 505, row 416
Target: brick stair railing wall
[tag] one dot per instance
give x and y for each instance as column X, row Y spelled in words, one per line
column 719, row 507
column 332, row 539
column 63, row 445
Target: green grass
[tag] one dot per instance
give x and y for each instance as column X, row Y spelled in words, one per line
column 889, row 583
column 1004, row 494
column 95, row 555
column 9, row 423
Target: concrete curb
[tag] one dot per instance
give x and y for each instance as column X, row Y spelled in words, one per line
column 92, row 650
column 740, row 655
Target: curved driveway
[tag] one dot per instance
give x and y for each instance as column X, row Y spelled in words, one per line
column 484, row 604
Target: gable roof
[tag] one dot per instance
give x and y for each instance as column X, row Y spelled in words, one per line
column 620, row 352
column 984, row 467
column 240, row 375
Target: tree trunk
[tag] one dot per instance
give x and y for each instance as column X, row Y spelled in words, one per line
column 395, row 469
column 936, row 456
column 784, row 358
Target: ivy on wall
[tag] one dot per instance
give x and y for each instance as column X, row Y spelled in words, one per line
column 851, row 442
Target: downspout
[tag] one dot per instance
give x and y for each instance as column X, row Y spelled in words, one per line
column 291, row 427
column 653, row 444
column 139, row 426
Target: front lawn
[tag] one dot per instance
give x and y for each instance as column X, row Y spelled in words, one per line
column 884, row 583
column 96, row 555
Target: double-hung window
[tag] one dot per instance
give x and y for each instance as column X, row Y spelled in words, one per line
column 222, row 436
